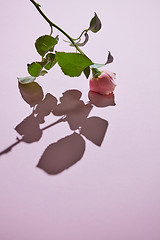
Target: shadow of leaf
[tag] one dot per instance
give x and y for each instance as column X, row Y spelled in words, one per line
column 31, row 93
column 45, row 107
column 77, row 116
column 29, row 129
column 63, row 154
column 94, row 129
column 69, row 101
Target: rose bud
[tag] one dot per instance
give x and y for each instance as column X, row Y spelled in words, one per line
column 102, row 82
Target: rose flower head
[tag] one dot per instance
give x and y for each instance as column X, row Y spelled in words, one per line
column 102, row 82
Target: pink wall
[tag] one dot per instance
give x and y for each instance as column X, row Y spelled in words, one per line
column 109, row 191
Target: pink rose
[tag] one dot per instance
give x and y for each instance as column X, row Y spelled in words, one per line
column 104, row 83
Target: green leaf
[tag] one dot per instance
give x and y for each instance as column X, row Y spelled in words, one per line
column 45, row 43
column 43, row 72
column 34, row 69
column 72, row 64
column 95, row 24
column 26, row 80
column 50, row 58
column 86, row 72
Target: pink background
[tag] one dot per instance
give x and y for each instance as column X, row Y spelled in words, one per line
column 112, row 192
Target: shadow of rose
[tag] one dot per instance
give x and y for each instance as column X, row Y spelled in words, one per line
column 67, row 151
